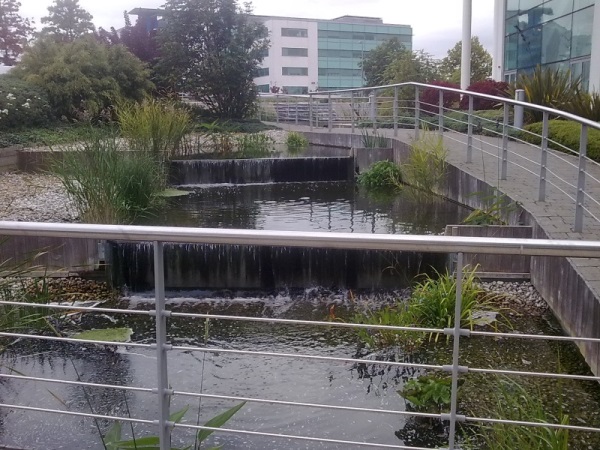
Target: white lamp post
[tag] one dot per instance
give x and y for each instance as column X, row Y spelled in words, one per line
column 465, row 64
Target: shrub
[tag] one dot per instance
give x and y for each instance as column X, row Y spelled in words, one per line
column 254, row 145
column 430, row 99
column 22, row 104
column 295, row 142
column 564, row 133
column 587, row 105
column 489, row 87
column 109, row 185
column 381, row 175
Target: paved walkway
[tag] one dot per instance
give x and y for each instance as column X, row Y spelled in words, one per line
column 556, row 215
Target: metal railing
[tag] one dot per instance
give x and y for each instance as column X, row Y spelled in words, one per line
column 164, row 391
column 415, row 105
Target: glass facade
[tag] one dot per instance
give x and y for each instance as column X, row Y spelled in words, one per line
column 294, row 32
column 551, row 33
column 298, row 71
column 342, row 47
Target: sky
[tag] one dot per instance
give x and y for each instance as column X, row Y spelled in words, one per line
column 436, row 23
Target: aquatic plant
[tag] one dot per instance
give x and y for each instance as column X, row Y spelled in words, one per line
column 254, row 145
column 426, row 167
column 296, row 142
column 382, row 175
column 428, row 393
column 496, row 208
column 374, row 139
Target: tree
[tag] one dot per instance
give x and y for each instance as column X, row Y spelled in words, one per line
column 481, row 62
column 67, row 21
column 377, row 60
column 212, row 48
column 14, row 32
column 83, row 77
column 408, row 66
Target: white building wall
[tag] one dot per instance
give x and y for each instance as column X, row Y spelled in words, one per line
column 276, row 61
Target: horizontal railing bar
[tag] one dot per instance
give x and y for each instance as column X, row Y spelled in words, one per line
column 533, row 424
column 543, row 337
column 565, row 376
column 299, row 438
column 77, row 383
column 78, row 414
column 307, row 322
column 79, row 308
column 75, row 341
column 394, row 242
column 307, row 405
column 301, row 356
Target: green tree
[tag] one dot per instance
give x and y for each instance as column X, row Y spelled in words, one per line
column 481, row 62
column 83, row 76
column 377, row 60
column 408, row 66
column 212, row 48
column 67, row 20
column 14, row 32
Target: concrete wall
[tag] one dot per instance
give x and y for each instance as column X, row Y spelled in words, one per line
column 8, row 158
column 561, row 284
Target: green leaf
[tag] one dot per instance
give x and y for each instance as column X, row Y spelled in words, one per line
column 178, row 415
column 112, row 436
column 218, row 421
column 145, row 443
column 173, row 193
column 106, row 334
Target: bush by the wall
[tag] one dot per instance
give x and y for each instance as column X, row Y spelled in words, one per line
column 430, row 97
column 22, row 105
column 564, row 133
column 489, row 87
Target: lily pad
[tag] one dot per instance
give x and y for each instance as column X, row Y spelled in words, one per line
column 171, row 192
column 106, row 334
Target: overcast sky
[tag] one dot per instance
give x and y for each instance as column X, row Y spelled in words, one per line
column 436, row 23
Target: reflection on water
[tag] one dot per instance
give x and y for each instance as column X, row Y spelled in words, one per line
column 326, row 206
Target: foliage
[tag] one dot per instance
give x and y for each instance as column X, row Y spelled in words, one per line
column 296, row 142
column 431, row 305
column 554, row 88
column 14, row 32
column 107, row 184
column 59, row 135
column 481, row 62
column 211, row 49
column 425, row 168
column 112, row 439
column 587, row 105
column 417, row 66
column 563, row 133
column 430, row 97
column 488, row 87
column 428, row 393
column 376, row 61
column 67, row 21
column 155, row 126
column 83, row 76
column 382, row 175
column 255, row 145
column 496, row 209
column 374, row 139
column 514, row 402
column 22, row 105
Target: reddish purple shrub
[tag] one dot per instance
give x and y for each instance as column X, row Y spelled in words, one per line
column 489, row 87
column 430, row 97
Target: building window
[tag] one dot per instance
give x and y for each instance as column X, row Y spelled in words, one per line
column 581, row 69
column 323, row 72
column 264, row 53
column 583, row 22
column 287, row 51
column 297, row 71
column 295, row 90
column 262, row 72
column 294, row 32
column 329, row 53
column 263, row 88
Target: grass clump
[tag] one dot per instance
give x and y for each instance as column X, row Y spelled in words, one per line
column 254, row 145
column 296, row 142
column 496, row 208
column 563, row 133
column 109, row 185
column 431, row 305
column 155, row 126
column 382, row 175
column 374, row 139
column 426, row 167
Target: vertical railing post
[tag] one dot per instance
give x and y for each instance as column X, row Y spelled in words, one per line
column 544, row 161
column 518, row 109
column 310, row 111
column 417, row 113
column 297, row 102
column 277, row 108
column 374, row 111
column 352, row 111
column 395, row 113
column 330, row 118
column 441, row 113
column 470, row 131
column 455, row 368
column 287, row 103
column 164, row 429
column 583, row 139
column 504, row 143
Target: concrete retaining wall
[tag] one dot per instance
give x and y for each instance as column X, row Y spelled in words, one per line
column 8, row 158
column 563, row 286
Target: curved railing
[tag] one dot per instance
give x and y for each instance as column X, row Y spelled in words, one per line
column 570, row 172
